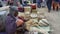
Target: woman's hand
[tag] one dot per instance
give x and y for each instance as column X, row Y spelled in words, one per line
column 19, row 22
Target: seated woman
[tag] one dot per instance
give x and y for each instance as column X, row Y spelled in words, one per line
column 12, row 22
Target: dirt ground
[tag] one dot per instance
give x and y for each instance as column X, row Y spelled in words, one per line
column 54, row 19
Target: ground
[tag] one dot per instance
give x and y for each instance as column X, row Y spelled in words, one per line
column 54, row 19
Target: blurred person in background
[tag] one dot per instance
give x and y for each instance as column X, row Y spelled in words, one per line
column 34, row 1
column 25, row 3
column 59, row 3
column 14, row 2
column 4, row 2
column 55, row 5
column 38, row 3
column 43, row 4
column 9, row 2
column 12, row 22
column 49, row 3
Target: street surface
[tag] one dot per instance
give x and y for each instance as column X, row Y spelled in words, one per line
column 54, row 19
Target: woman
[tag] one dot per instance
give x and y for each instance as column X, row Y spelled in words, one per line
column 59, row 3
column 43, row 3
column 55, row 5
column 49, row 3
column 38, row 3
column 12, row 22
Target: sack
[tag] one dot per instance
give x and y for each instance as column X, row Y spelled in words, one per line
column 2, row 20
column 21, row 9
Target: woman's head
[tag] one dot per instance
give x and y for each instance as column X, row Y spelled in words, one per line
column 14, row 11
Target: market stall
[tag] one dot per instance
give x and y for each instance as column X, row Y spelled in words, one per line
column 36, row 23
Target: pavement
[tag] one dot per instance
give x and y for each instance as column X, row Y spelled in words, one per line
column 54, row 19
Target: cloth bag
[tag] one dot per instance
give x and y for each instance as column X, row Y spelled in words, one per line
column 3, row 15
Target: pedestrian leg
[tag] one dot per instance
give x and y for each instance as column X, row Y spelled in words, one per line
column 49, row 7
column 53, row 6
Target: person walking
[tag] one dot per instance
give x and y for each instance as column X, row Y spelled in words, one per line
column 38, row 3
column 59, row 2
column 55, row 5
column 43, row 4
column 49, row 3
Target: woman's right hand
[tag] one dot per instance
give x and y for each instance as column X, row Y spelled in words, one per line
column 19, row 22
